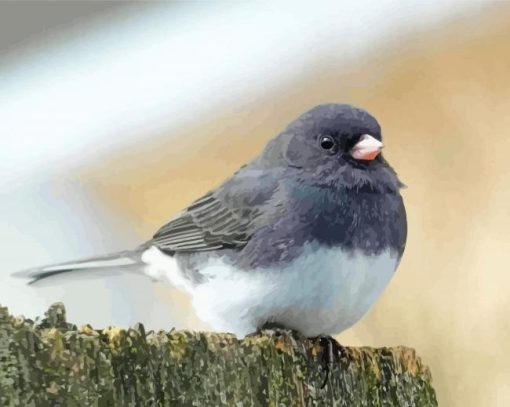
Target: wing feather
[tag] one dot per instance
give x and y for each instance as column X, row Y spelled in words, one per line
column 223, row 218
column 207, row 224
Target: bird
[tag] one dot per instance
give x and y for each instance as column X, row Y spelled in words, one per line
column 306, row 236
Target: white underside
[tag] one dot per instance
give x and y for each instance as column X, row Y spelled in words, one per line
column 324, row 291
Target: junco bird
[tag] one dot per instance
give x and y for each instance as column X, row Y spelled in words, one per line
column 306, row 236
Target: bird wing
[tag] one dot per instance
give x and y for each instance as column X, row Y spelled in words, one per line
column 223, row 218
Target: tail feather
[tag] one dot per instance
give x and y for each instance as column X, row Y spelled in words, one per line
column 125, row 259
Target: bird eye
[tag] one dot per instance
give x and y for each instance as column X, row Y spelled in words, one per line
column 327, row 143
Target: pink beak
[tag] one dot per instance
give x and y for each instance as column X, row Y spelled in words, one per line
column 367, row 148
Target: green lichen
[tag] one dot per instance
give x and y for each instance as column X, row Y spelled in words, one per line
column 51, row 363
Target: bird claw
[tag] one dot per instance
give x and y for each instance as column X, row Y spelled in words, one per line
column 332, row 352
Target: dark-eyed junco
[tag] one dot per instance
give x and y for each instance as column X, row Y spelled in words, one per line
column 306, row 236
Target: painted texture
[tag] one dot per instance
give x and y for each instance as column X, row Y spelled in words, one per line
column 52, row 362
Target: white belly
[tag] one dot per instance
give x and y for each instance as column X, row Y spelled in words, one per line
column 324, row 291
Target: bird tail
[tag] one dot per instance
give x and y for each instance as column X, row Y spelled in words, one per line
column 125, row 260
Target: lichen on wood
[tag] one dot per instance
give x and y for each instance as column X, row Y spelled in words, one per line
column 51, row 362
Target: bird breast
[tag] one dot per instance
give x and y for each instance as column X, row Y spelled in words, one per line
column 323, row 291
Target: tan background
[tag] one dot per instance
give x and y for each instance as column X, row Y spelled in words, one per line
column 442, row 95
column 443, row 98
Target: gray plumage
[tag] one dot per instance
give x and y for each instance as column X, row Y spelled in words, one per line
column 294, row 193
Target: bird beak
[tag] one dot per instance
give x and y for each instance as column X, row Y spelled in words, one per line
column 367, row 148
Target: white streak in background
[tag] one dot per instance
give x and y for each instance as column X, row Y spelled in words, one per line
column 39, row 226
column 103, row 87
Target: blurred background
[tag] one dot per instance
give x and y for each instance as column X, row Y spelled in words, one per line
column 113, row 116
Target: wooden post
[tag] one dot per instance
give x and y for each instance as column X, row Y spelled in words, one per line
column 51, row 362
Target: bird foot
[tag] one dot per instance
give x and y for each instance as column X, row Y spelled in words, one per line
column 331, row 353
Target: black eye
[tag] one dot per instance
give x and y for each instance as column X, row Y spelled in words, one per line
column 327, row 143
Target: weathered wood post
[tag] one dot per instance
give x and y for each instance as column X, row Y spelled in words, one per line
column 53, row 363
